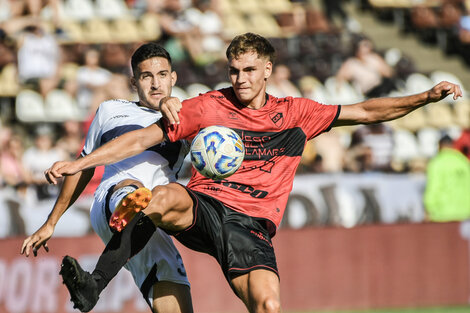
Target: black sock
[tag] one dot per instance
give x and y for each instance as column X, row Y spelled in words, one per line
column 122, row 246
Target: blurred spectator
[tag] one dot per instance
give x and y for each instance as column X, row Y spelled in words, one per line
column 33, row 8
column 464, row 34
column 332, row 151
column 209, row 25
column 7, row 49
column 279, row 84
column 39, row 157
column 15, row 178
column 114, row 57
column 463, row 142
column 39, row 60
column 311, row 161
column 371, row 149
column 90, row 77
column 334, row 8
column 12, row 171
column 71, row 139
column 367, row 70
column 447, row 196
column 179, row 34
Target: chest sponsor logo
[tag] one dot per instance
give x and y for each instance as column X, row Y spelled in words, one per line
column 255, row 193
column 267, row 145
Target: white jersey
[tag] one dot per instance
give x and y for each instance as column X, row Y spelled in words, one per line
column 159, row 260
column 157, row 165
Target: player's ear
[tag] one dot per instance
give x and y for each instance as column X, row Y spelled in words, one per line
column 133, row 83
column 174, row 77
column 268, row 69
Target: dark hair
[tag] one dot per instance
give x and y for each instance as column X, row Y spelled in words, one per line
column 148, row 51
column 446, row 140
column 250, row 42
column 356, row 42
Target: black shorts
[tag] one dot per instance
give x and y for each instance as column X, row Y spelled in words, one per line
column 240, row 243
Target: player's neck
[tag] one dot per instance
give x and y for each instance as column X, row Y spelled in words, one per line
column 258, row 102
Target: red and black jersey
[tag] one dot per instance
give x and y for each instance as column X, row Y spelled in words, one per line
column 274, row 138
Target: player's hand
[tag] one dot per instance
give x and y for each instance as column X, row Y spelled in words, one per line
column 60, row 169
column 169, row 107
column 442, row 90
column 37, row 240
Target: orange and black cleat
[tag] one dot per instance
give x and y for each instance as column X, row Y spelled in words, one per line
column 129, row 206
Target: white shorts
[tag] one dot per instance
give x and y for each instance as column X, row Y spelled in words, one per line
column 158, row 261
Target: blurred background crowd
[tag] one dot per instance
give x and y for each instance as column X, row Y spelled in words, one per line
column 59, row 59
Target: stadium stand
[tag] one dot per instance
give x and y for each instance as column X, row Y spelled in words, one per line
column 306, row 42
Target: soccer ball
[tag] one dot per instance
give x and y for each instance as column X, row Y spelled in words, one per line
column 217, row 152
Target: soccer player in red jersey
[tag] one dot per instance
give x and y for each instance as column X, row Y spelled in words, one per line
column 234, row 219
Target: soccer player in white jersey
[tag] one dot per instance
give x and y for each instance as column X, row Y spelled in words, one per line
column 160, row 275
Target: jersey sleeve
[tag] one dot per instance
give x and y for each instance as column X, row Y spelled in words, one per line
column 191, row 115
column 92, row 140
column 315, row 117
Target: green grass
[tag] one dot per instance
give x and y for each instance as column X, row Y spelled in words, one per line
column 414, row 310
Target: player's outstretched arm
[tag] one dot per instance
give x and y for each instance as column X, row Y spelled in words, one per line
column 385, row 109
column 71, row 189
column 123, row 147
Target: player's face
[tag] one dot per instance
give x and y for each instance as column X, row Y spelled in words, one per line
column 248, row 74
column 153, row 81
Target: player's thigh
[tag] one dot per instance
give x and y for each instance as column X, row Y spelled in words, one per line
column 259, row 290
column 170, row 297
column 171, row 207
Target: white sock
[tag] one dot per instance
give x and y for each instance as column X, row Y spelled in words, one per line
column 117, row 196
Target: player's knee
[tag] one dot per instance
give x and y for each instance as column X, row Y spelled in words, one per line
column 267, row 304
column 161, row 201
column 270, row 305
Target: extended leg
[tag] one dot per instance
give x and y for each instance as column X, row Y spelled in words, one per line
column 259, row 290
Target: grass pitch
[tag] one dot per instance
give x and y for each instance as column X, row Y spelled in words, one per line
column 465, row 309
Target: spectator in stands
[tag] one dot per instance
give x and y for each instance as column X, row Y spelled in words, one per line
column 115, row 58
column 71, row 138
column 279, row 84
column 209, row 25
column 371, row 149
column 447, row 196
column 464, row 34
column 37, row 158
column 14, row 177
column 367, row 70
column 39, row 60
column 7, row 49
column 90, row 77
column 179, row 34
column 463, row 142
column 334, row 8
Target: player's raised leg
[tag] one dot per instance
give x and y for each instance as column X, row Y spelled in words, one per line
column 259, row 290
column 171, row 207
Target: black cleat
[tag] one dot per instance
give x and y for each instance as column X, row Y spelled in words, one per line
column 82, row 287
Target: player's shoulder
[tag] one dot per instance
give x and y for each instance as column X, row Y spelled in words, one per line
column 218, row 94
column 111, row 107
column 113, row 103
column 284, row 100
